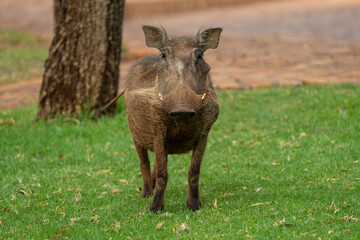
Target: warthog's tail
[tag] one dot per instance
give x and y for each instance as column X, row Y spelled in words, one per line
column 101, row 110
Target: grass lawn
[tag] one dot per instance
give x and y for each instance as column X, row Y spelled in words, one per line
column 280, row 163
column 22, row 56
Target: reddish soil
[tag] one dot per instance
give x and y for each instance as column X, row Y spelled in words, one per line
column 266, row 43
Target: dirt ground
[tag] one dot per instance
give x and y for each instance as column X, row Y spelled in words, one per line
column 264, row 43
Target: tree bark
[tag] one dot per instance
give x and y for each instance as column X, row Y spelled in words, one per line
column 82, row 69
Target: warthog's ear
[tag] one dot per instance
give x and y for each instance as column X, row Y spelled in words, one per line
column 155, row 37
column 209, row 38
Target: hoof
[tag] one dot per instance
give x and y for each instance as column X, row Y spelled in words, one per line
column 145, row 193
column 156, row 208
column 194, row 206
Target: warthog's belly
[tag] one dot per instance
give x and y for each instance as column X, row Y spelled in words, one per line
column 183, row 137
column 179, row 146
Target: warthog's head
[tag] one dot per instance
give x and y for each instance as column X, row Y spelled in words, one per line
column 182, row 79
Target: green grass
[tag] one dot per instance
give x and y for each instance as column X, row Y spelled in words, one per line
column 22, row 56
column 295, row 150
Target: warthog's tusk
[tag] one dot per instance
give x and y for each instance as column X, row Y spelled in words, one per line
column 203, row 96
column 161, row 96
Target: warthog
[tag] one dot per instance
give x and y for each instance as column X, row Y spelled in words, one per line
column 171, row 106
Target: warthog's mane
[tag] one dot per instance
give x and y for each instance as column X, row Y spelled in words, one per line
column 146, row 95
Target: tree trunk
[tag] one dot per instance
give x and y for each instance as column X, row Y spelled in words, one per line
column 82, row 69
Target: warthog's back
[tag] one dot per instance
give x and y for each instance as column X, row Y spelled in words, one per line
column 142, row 74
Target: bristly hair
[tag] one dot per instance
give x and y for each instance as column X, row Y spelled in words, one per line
column 201, row 29
column 196, row 37
column 165, row 33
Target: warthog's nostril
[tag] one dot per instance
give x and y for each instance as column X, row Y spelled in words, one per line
column 182, row 114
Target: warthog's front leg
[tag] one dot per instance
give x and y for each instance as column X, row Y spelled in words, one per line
column 193, row 202
column 145, row 170
column 160, row 169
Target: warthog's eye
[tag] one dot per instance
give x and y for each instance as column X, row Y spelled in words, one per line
column 199, row 56
column 164, row 52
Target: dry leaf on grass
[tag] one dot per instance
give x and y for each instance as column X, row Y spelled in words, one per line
column 333, row 208
column 101, row 195
column 74, row 120
column 167, row 215
column 64, row 230
column 77, row 197
column 183, row 227
column 74, row 219
column 23, row 192
column 221, row 235
column 94, row 219
column 222, row 196
column 42, row 203
column 279, row 222
column 115, row 191
column 302, row 135
column 57, row 192
column 8, row 122
column 350, row 219
column 265, row 203
column 62, row 213
column 159, row 226
column 61, row 231
column 123, row 181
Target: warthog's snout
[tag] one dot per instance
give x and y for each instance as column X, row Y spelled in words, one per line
column 182, row 114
